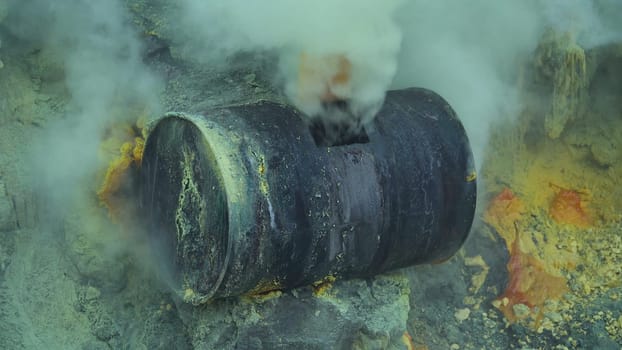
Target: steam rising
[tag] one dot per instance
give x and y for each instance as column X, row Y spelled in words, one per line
column 594, row 23
column 94, row 47
column 353, row 51
column 329, row 51
column 471, row 53
column 337, row 58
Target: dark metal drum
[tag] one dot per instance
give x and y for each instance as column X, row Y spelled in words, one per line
column 242, row 199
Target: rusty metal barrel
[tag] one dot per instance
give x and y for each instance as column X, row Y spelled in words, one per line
column 242, row 199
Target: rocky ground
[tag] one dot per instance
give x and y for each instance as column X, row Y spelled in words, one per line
column 542, row 268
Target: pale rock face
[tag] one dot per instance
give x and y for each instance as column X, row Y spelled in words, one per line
column 7, row 214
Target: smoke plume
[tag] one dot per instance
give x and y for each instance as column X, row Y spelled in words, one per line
column 472, row 52
column 97, row 54
column 336, row 58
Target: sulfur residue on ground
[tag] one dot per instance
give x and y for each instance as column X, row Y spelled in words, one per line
column 557, row 216
column 533, row 281
column 122, row 151
column 553, row 189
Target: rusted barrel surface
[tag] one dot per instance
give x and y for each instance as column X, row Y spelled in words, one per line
column 241, row 199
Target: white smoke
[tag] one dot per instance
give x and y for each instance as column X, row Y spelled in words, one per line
column 98, row 53
column 328, row 50
column 470, row 53
column 593, row 22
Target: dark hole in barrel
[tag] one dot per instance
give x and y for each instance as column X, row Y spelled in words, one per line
column 345, row 130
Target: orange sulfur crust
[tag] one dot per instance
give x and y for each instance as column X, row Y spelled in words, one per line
column 529, row 283
column 130, row 154
column 567, row 208
column 504, row 209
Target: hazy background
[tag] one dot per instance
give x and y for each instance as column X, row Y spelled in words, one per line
column 471, row 52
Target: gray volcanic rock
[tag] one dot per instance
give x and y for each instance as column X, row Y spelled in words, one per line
column 356, row 314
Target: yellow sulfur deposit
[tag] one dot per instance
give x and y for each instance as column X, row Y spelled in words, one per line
column 130, row 155
column 567, row 208
column 265, row 287
column 554, row 207
column 567, row 63
column 114, row 187
column 554, row 193
column 320, row 288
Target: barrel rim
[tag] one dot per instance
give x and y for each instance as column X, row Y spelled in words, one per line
column 189, row 292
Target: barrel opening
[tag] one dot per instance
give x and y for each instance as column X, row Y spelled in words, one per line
column 337, row 125
column 336, row 134
column 186, row 206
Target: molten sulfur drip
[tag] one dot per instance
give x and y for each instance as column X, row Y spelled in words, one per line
column 529, row 283
column 567, row 208
column 110, row 192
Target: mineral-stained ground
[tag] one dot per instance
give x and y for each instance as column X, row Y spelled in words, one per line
column 542, row 268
